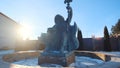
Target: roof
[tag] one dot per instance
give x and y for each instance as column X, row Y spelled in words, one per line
column 14, row 22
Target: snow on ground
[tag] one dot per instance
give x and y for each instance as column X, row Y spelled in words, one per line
column 28, row 62
column 80, row 61
column 34, row 62
column 3, row 52
column 88, row 60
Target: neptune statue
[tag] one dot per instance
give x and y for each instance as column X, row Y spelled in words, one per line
column 60, row 41
column 61, row 37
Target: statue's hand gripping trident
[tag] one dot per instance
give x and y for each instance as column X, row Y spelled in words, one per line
column 69, row 10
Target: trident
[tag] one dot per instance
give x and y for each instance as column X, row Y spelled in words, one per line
column 68, row 4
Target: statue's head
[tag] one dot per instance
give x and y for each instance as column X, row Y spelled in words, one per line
column 59, row 19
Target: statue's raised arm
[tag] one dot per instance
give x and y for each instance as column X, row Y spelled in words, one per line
column 70, row 13
column 69, row 10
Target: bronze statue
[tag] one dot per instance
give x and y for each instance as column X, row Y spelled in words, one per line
column 62, row 36
column 60, row 40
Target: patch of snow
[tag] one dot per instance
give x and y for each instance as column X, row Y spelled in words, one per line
column 51, row 65
column 78, row 65
column 84, row 62
column 34, row 62
column 28, row 62
column 88, row 59
column 3, row 52
column 27, row 51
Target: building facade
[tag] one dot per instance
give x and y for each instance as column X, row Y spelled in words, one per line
column 8, row 32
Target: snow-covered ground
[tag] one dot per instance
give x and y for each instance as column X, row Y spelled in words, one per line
column 3, row 52
column 28, row 62
column 34, row 62
column 82, row 61
column 79, row 61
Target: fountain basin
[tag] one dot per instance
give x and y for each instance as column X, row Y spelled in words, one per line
column 17, row 56
column 22, row 55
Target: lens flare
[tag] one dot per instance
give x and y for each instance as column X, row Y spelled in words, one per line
column 25, row 32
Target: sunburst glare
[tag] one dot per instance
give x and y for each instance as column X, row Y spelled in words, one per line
column 25, row 32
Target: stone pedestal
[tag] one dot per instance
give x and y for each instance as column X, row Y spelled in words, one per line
column 63, row 60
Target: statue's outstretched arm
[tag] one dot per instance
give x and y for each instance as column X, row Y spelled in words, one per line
column 70, row 13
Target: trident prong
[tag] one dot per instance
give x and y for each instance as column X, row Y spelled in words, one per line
column 67, row 1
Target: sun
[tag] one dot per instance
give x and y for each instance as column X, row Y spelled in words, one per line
column 25, row 32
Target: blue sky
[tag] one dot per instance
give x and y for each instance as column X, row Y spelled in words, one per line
column 90, row 15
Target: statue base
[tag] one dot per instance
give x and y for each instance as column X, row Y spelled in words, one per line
column 63, row 60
